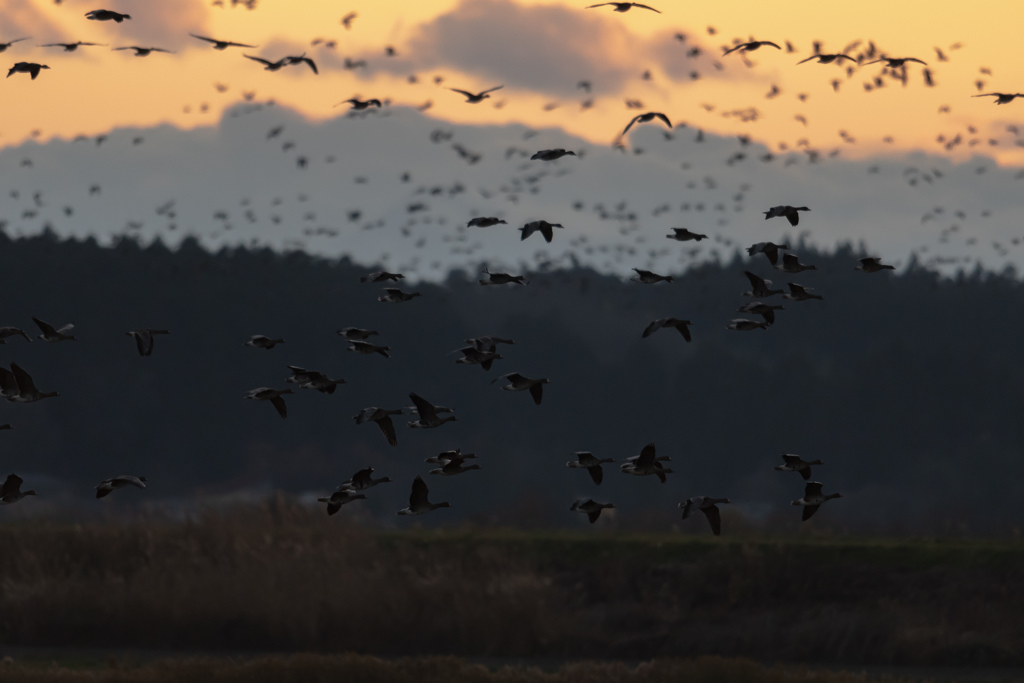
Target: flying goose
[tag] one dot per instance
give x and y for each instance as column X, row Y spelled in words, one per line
column 872, row 265
column 813, row 498
column 356, row 333
column 591, row 507
column 744, row 325
column 646, row 463
column 367, row 348
column 517, row 382
column 478, row 97
column 543, row 227
column 272, row 395
column 10, row 490
column 268, row 65
column 221, row 44
column 454, row 466
column 301, row 59
column 794, row 463
column 790, row 212
column 71, row 47
column 791, row 264
column 680, row 325
column 428, row 413
column 800, row 293
column 1001, row 97
column 684, row 235
column 501, row 278
column 381, row 276
column 471, row 355
column 4, row 46
column 260, row 341
column 108, row 486
column 761, row 288
column 591, row 463
column 895, row 62
column 393, row 295
column 382, row 416
column 645, row 118
column 359, row 105
column 144, row 339
column 53, row 335
column 311, row 379
column 623, row 6
column 648, row 277
column 751, row 46
column 484, row 222
column 551, row 154
column 143, row 51
column 106, row 15
column 26, row 68
column 341, row 496
column 827, row 59
column 766, row 311
column 709, row 506
column 6, row 332
column 769, row 249
column 488, row 343
column 448, row 456
column 16, row 385
column 419, row 502
column 363, row 479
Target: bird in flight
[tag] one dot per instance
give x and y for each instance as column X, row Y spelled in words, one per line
column 221, row 44
column 301, row 59
column 144, row 340
column 143, row 51
column 751, row 46
column 4, row 46
column 359, row 105
column 106, row 15
column 709, row 506
column 26, row 68
column 1002, row 97
column 873, row 265
column 51, row 334
column 71, row 47
column 269, row 65
column 896, row 62
column 813, row 498
column 588, row 461
column 644, row 118
column 272, row 395
column 478, row 97
column 790, row 212
column 108, row 486
column 543, row 227
column 10, row 490
column 681, row 325
column 551, row 154
column 624, row 6
column 591, row 507
column 827, row 59
column 419, row 501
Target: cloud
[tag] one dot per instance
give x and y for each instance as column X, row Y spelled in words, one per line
column 21, row 18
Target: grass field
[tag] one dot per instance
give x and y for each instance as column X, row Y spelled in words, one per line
column 282, row 578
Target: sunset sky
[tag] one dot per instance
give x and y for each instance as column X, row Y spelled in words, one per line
column 539, row 51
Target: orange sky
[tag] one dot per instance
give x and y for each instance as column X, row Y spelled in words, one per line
column 95, row 89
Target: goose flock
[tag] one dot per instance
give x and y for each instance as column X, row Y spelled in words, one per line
column 18, row 385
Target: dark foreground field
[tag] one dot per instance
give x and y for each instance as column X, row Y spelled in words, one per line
column 283, row 578
column 313, row 668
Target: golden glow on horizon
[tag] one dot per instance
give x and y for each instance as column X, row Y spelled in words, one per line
column 94, row 89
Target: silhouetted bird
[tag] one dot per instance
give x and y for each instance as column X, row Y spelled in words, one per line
column 678, row 324
column 144, row 339
column 790, row 212
column 272, row 395
column 108, row 486
column 709, row 506
column 10, row 490
column 794, row 463
column 221, row 44
column 623, row 6
column 419, row 502
column 591, row 507
column 26, row 68
column 106, row 15
column 813, row 498
column 478, row 97
column 589, row 462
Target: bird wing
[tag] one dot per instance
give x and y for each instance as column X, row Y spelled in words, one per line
column 768, row 42
column 808, row 59
column 653, row 327
column 425, row 408
column 636, row 4
column 255, row 59
column 312, row 64
column 630, row 124
column 462, row 92
column 733, row 49
column 387, row 427
column 813, row 488
column 537, row 391
column 596, row 473
column 659, row 115
column 10, row 485
column 209, row 40
column 714, row 518
column 592, row 515
column 497, row 87
column 362, row 477
column 790, row 260
column 601, row 5
column 45, row 327
column 684, row 330
column 24, row 380
column 647, row 456
column 755, row 281
column 419, row 495
column 279, row 403
column 687, row 507
column 809, row 511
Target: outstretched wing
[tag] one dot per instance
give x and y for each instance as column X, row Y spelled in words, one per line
column 653, row 327
column 387, row 427
column 420, row 493
column 537, row 391
column 714, row 519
